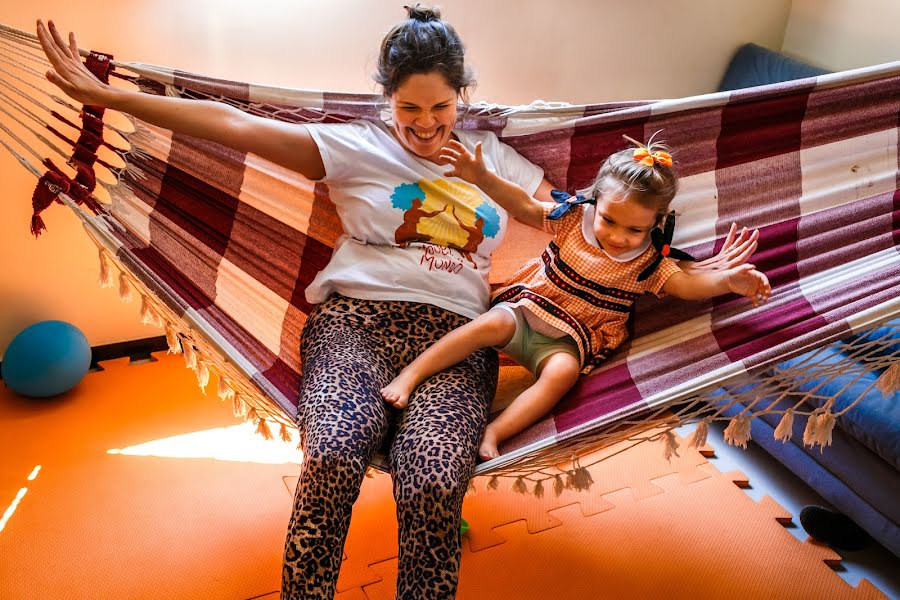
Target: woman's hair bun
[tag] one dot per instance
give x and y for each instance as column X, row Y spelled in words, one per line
column 420, row 13
column 422, row 43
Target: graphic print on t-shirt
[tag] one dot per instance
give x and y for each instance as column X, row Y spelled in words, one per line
column 445, row 213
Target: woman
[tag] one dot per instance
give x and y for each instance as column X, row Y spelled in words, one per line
column 394, row 285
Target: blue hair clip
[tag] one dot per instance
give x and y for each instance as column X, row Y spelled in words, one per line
column 566, row 201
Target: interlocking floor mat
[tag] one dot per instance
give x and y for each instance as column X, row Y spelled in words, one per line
column 190, row 504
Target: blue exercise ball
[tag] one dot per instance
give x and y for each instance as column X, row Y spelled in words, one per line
column 46, row 359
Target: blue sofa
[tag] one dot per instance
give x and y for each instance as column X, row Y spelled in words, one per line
column 754, row 65
column 859, row 474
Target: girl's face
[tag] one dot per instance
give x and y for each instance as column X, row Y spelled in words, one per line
column 424, row 113
column 622, row 224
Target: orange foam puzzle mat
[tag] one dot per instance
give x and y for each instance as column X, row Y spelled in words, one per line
column 136, row 485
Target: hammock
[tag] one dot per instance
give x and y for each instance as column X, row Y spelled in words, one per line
column 220, row 245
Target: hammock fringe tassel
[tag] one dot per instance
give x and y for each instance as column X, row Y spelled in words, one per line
column 785, row 427
column 671, row 445
column 738, row 431
column 106, row 279
column 125, row 293
column 698, row 438
column 819, row 427
column 889, row 382
column 202, row 376
column 239, row 406
column 199, row 356
column 172, row 339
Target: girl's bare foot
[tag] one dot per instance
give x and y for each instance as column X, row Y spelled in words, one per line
column 488, row 448
column 398, row 390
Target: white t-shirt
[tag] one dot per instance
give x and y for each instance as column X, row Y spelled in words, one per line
column 410, row 233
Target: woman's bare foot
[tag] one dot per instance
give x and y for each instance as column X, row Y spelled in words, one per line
column 398, row 390
column 489, row 442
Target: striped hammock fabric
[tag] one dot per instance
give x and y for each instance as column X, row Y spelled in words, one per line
column 221, row 245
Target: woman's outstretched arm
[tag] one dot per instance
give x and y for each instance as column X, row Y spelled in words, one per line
column 287, row 144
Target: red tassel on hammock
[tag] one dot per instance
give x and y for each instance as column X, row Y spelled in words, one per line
column 49, row 187
column 89, row 141
column 54, row 181
column 82, row 195
column 91, row 136
column 85, row 182
column 83, row 158
column 99, row 64
column 84, row 175
column 37, row 225
column 92, row 124
column 76, row 189
column 83, row 154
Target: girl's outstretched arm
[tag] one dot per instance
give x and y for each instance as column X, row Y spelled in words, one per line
column 516, row 201
column 744, row 280
column 286, row 144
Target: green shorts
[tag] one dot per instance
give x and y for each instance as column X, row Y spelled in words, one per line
column 528, row 347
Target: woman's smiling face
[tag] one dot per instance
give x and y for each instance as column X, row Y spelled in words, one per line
column 424, row 113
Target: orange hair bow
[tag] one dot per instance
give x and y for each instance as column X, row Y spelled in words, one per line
column 643, row 156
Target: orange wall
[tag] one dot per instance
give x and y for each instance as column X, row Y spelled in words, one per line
column 575, row 50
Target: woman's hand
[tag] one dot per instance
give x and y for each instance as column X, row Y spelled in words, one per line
column 69, row 74
column 746, row 281
column 467, row 166
column 738, row 247
column 287, row 144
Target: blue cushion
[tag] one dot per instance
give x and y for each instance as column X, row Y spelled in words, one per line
column 874, row 422
column 754, row 65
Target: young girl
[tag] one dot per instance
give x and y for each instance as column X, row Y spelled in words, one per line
column 565, row 312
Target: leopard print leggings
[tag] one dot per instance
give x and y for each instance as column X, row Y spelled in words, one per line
column 350, row 349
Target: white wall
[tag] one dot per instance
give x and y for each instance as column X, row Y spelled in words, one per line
column 844, row 34
column 574, row 50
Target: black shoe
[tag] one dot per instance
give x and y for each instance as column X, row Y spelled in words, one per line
column 832, row 528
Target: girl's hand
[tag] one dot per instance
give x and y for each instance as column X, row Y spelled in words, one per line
column 747, row 281
column 467, row 166
column 69, row 74
column 738, row 247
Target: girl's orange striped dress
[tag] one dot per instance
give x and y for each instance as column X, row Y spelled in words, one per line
column 576, row 288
